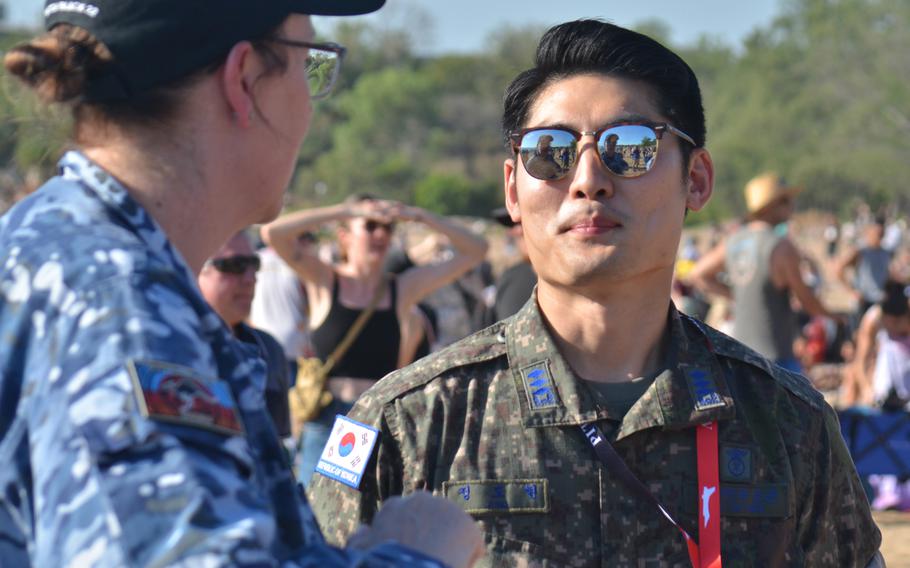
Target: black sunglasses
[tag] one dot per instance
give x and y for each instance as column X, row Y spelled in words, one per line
column 372, row 225
column 237, row 264
column 627, row 149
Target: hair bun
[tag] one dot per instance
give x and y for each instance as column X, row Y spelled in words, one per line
column 57, row 64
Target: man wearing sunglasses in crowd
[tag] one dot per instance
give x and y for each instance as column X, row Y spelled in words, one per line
column 227, row 282
column 598, row 426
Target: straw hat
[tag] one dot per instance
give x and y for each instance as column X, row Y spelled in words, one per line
column 763, row 190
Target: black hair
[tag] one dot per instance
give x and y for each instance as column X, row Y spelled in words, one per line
column 593, row 46
column 896, row 301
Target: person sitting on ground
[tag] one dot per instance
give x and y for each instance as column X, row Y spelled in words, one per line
column 880, row 373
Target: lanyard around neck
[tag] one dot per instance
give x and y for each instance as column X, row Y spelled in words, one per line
column 705, row 553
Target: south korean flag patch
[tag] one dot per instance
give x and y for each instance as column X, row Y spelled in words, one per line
column 348, row 451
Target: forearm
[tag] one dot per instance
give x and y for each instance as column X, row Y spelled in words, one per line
column 282, row 233
column 465, row 242
column 709, row 284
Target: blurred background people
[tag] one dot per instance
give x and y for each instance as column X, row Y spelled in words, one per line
column 880, row 373
column 515, row 284
column 870, row 265
column 280, row 305
column 763, row 271
column 337, row 294
column 228, row 282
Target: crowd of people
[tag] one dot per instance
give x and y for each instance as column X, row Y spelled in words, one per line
column 156, row 381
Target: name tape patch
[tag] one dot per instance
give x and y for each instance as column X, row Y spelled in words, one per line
column 539, row 386
column 179, row 395
column 345, row 456
column 491, row 496
column 762, row 500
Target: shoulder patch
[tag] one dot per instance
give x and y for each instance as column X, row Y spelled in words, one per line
column 347, row 452
column 484, row 345
column 176, row 394
column 726, row 346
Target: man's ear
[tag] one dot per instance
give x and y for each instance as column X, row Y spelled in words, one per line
column 240, row 71
column 700, row 182
column 510, row 189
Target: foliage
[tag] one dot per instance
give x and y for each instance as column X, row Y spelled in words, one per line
column 819, row 95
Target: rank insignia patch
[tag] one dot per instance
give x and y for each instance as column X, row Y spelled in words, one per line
column 539, row 386
column 175, row 394
column 703, row 390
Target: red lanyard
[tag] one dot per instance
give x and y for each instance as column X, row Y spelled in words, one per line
column 706, row 554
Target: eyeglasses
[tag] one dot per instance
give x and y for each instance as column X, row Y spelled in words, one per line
column 627, row 149
column 371, row 225
column 237, row 264
column 323, row 63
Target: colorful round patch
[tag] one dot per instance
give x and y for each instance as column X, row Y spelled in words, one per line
column 346, row 446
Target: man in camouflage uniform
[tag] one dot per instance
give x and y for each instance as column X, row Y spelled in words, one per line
column 492, row 422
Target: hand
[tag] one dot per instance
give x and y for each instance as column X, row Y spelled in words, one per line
column 371, row 209
column 427, row 524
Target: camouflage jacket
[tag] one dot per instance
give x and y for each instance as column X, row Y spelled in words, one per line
column 133, row 430
column 491, row 423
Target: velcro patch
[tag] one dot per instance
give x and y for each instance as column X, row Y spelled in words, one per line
column 735, row 464
column 767, row 500
column 345, row 456
column 492, row 496
column 539, row 386
column 760, row 500
column 703, row 389
column 176, row 394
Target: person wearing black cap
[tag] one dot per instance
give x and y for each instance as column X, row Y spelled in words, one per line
column 133, row 429
column 516, row 284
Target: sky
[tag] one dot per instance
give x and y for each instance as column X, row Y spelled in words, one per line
column 464, row 25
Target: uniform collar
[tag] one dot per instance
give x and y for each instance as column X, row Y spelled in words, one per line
column 692, row 390
column 76, row 166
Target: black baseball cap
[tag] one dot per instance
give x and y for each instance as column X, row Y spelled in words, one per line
column 156, row 42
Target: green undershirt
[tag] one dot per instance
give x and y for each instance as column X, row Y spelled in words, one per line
column 618, row 398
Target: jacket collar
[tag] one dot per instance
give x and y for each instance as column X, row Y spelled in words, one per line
column 692, row 389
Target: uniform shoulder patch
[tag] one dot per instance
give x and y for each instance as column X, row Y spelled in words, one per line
column 179, row 395
column 345, row 456
column 795, row 383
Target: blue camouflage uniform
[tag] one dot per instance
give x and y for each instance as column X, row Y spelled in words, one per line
column 133, row 429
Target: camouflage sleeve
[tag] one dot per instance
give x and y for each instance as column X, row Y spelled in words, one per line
column 341, row 509
column 114, row 488
column 835, row 524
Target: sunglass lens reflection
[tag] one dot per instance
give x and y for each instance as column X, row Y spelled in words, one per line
column 322, row 68
column 548, row 154
column 628, row 150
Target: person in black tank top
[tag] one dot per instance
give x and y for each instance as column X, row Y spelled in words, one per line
column 338, row 294
column 374, row 353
